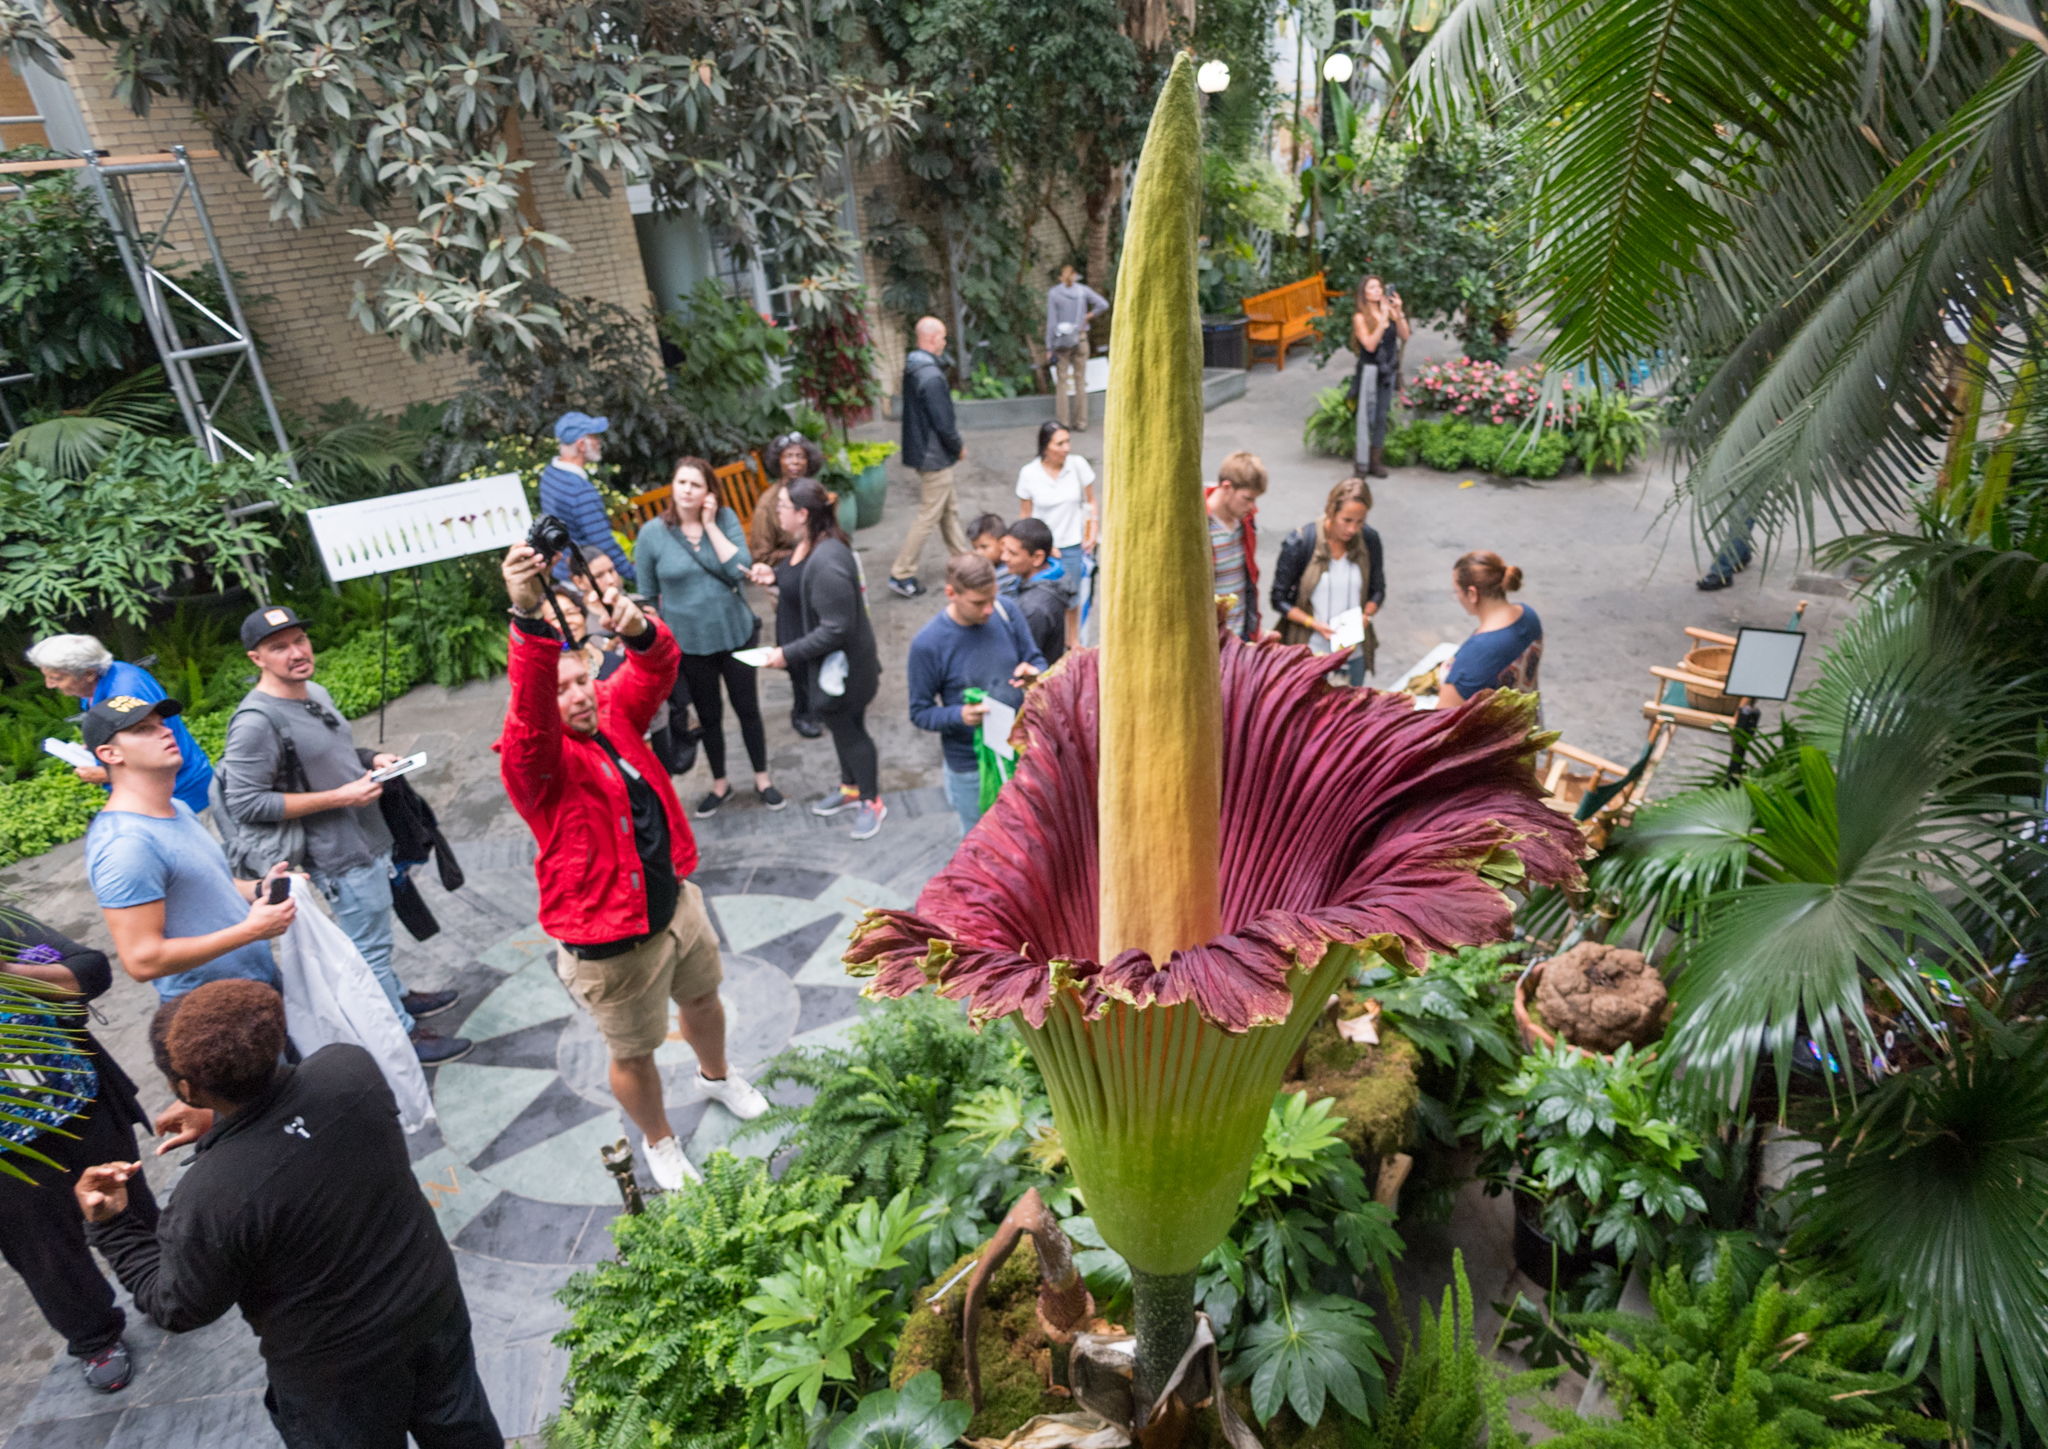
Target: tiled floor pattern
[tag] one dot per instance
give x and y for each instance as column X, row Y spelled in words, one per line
column 511, row 1165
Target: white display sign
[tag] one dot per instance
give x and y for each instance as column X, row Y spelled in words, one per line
column 404, row 530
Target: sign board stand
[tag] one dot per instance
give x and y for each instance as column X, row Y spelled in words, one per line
column 401, row 531
column 1764, row 663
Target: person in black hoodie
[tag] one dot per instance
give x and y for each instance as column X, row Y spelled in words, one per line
column 931, row 446
column 40, row 1234
column 836, row 650
column 302, row 1210
column 1328, row 568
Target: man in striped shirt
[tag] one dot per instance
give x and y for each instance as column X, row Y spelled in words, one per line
column 1233, row 504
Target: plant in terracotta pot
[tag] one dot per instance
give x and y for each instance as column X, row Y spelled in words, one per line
column 1139, row 899
column 1595, row 1149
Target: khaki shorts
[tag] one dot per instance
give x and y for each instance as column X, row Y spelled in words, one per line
column 628, row 996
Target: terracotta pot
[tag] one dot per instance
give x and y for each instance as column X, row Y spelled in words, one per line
column 1710, row 661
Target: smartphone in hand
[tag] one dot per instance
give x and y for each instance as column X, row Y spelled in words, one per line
column 276, row 889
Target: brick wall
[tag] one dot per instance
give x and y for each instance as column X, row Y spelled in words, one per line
column 312, row 351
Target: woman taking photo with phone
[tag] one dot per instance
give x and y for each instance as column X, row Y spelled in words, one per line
column 1378, row 329
column 691, row 559
column 835, row 649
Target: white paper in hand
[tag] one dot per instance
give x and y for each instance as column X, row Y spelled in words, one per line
column 1349, row 628
column 330, row 995
column 752, row 658
column 77, row 756
column 996, row 726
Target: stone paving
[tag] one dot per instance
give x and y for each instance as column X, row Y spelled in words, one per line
column 511, row 1166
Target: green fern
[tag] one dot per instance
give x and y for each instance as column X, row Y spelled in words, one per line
column 658, row 1353
column 881, row 1103
column 1777, row 1368
column 1449, row 1393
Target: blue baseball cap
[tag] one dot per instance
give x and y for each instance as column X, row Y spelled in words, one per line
column 571, row 426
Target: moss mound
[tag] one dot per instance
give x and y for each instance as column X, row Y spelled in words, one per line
column 1015, row 1358
column 1374, row 1086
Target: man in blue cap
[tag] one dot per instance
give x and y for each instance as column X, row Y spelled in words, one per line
column 567, row 492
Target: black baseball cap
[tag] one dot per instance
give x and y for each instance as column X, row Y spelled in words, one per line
column 110, row 716
column 274, row 619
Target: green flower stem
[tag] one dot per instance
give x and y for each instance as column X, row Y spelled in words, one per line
column 1162, row 1113
column 1163, row 1322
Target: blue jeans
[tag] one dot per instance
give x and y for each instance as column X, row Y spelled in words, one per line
column 362, row 907
column 963, row 793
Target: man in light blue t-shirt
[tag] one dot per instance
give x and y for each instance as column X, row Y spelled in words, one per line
column 178, row 916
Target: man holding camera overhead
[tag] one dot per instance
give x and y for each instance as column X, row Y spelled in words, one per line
column 294, row 787
column 614, row 846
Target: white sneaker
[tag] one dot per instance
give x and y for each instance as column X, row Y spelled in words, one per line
column 737, row 1094
column 670, row 1167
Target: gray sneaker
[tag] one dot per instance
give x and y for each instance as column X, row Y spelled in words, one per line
column 833, row 803
column 108, row 1371
column 869, row 819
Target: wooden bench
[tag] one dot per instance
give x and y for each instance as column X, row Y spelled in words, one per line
column 1282, row 317
column 740, row 485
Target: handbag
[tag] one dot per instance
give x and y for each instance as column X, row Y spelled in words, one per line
column 254, row 846
column 330, row 995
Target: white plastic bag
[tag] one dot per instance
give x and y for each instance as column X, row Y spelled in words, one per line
column 331, row 995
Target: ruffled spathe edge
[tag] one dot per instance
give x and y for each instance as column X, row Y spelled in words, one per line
column 1418, row 819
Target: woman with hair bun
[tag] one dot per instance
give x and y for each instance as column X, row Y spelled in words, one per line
column 1505, row 651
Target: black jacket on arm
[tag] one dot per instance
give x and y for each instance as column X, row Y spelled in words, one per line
column 931, row 439
column 302, row 1211
column 834, row 615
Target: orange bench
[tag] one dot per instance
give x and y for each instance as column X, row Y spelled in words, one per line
column 1282, row 317
column 740, row 484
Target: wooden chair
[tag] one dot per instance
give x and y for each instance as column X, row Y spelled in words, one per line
column 1282, row 317
column 1599, row 794
column 1695, row 700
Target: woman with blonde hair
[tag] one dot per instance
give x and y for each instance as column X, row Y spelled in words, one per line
column 691, row 559
column 1328, row 568
column 1506, row 650
column 1378, row 328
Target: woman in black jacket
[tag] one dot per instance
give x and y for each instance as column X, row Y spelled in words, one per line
column 41, row 1234
column 1326, row 569
column 836, row 651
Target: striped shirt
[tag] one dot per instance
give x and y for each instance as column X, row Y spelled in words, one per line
column 1226, row 547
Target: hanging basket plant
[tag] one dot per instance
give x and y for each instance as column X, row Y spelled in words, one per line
column 1203, row 837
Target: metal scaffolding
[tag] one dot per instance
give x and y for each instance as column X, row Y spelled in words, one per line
column 154, row 288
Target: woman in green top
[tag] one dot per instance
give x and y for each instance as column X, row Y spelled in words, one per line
column 691, row 559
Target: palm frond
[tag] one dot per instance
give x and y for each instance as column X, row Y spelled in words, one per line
column 75, row 442
column 1643, row 117
column 1931, row 1189
column 1857, row 867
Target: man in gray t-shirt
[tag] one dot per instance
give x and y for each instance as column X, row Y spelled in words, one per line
column 1069, row 308
column 290, row 757
column 178, row 916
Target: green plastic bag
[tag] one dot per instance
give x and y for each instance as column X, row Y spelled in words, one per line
column 994, row 768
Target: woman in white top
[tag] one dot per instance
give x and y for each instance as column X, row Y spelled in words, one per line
column 1058, row 487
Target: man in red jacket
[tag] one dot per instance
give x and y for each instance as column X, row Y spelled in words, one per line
column 614, row 851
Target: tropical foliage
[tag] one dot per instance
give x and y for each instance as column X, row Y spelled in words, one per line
column 422, row 116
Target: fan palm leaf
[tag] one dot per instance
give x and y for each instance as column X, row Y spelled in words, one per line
column 75, row 442
column 1931, row 1190
column 1853, row 862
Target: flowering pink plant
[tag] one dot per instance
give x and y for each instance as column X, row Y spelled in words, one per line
column 1486, row 390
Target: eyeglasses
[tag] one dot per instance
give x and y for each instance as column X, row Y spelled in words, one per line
column 322, row 713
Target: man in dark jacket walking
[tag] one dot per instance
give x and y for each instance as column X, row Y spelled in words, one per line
column 931, row 446
column 302, row 1210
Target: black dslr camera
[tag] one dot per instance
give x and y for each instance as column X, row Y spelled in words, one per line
column 549, row 537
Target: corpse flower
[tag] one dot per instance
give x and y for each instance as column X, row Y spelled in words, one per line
column 1203, row 837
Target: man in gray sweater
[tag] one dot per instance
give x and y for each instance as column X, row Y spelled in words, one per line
column 290, row 760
